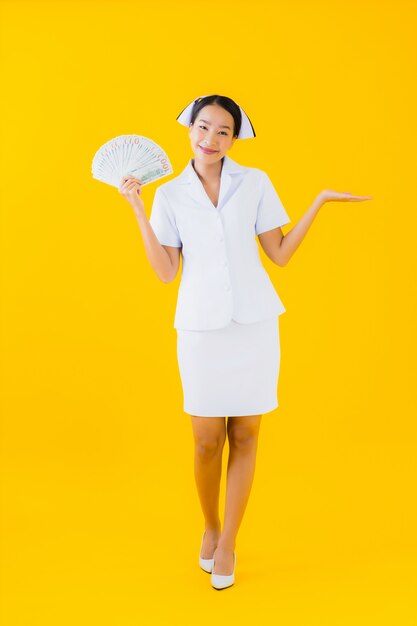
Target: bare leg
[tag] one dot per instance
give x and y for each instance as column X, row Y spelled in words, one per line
column 243, row 442
column 209, row 436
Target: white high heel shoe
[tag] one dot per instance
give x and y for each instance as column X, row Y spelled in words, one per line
column 205, row 564
column 221, row 581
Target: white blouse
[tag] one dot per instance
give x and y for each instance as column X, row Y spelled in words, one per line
column 222, row 274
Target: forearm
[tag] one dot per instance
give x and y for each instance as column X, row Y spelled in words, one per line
column 156, row 253
column 291, row 241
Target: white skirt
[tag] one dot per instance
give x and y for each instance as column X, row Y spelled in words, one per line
column 230, row 371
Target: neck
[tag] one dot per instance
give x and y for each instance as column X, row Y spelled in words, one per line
column 208, row 172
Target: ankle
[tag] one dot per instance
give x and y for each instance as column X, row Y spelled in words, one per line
column 226, row 545
column 214, row 529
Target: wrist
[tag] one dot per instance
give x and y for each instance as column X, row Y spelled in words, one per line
column 139, row 213
column 320, row 200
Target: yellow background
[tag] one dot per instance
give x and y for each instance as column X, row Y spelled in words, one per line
column 101, row 522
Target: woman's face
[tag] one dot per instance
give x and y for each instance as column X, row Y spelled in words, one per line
column 213, row 129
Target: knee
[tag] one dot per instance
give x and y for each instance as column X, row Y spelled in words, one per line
column 243, row 439
column 208, row 447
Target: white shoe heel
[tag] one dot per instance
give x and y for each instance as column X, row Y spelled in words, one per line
column 205, row 564
column 221, row 581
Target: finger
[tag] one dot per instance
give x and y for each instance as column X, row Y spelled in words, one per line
column 134, row 187
column 125, row 190
column 129, row 184
column 128, row 177
column 356, row 196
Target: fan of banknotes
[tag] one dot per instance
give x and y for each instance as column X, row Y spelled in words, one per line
column 130, row 154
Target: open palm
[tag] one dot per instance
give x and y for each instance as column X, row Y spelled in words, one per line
column 328, row 195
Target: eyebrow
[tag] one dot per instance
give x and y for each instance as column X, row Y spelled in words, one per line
column 206, row 122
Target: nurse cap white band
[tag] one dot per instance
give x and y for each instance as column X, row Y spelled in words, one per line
column 246, row 130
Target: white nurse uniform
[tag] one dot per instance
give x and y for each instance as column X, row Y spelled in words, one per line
column 227, row 310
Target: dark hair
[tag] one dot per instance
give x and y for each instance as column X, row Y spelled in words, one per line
column 225, row 102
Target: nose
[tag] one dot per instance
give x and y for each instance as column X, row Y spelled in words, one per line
column 209, row 140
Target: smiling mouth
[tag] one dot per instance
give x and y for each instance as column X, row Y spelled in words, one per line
column 207, row 151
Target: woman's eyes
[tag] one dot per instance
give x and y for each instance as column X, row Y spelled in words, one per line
column 222, row 131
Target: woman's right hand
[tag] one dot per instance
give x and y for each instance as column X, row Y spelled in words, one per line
column 130, row 188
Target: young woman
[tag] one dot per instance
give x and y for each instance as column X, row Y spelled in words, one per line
column 227, row 309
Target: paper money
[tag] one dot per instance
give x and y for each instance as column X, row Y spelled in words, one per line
column 133, row 155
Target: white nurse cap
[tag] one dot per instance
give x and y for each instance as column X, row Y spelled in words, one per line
column 246, row 130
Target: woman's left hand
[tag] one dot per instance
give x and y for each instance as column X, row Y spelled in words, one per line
column 328, row 195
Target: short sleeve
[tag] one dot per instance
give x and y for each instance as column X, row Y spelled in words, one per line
column 162, row 220
column 271, row 212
